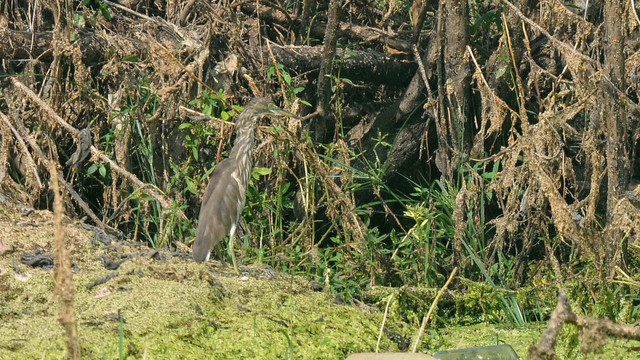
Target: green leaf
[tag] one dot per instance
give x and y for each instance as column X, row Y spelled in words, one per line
column 79, row 21
column 501, row 71
column 104, row 9
column 262, row 171
column 174, row 167
column 298, row 90
column 92, row 169
column 285, row 187
column 287, row 77
column 191, row 186
column 225, row 115
column 256, row 172
column 103, row 171
column 185, row 126
column 131, row 58
column 270, row 72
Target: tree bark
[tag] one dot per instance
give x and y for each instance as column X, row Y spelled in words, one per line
column 454, row 125
column 617, row 147
column 458, row 72
column 323, row 93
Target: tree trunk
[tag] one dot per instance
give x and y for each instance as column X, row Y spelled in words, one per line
column 617, row 147
column 455, row 123
column 319, row 125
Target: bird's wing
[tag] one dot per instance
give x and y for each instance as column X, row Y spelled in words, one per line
column 219, row 209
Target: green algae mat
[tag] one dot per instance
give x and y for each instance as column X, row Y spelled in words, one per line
column 153, row 304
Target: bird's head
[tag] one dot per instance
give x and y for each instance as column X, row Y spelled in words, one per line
column 262, row 106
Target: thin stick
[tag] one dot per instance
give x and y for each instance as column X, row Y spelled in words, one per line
column 205, row 116
column 433, row 306
column 423, row 72
column 25, row 150
column 384, row 317
column 62, row 270
column 633, row 9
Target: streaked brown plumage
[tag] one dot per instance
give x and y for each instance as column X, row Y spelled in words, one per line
column 226, row 193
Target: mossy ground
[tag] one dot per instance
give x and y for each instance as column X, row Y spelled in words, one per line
column 174, row 308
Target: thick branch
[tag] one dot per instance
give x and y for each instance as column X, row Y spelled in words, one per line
column 562, row 314
column 326, row 64
column 317, row 30
column 369, row 66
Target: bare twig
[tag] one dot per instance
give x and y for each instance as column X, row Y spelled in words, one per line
column 25, row 150
column 633, row 10
column 186, row 10
column 328, row 52
column 565, row 48
column 274, row 62
column 563, row 314
column 423, row 72
column 419, row 22
column 62, row 271
column 431, row 308
column 5, row 134
column 522, row 102
column 486, row 84
column 392, row 6
column 386, row 311
column 135, row 13
column 205, row 116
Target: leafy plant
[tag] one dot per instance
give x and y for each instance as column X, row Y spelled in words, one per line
column 284, row 77
column 100, row 7
column 214, row 104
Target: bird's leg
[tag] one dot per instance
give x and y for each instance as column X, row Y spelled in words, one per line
column 232, row 235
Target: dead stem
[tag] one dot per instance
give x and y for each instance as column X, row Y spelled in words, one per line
column 62, row 271
column 431, row 308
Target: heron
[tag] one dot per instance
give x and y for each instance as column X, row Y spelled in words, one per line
column 226, row 192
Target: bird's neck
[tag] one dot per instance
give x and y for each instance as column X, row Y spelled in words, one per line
column 243, row 146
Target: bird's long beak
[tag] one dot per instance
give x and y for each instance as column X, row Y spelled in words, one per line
column 275, row 110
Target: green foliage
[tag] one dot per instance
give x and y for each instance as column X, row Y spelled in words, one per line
column 486, row 24
column 421, row 255
column 213, row 104
column 422, row 251
column 100, row 8
column 426, row 248
column 285, row 81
